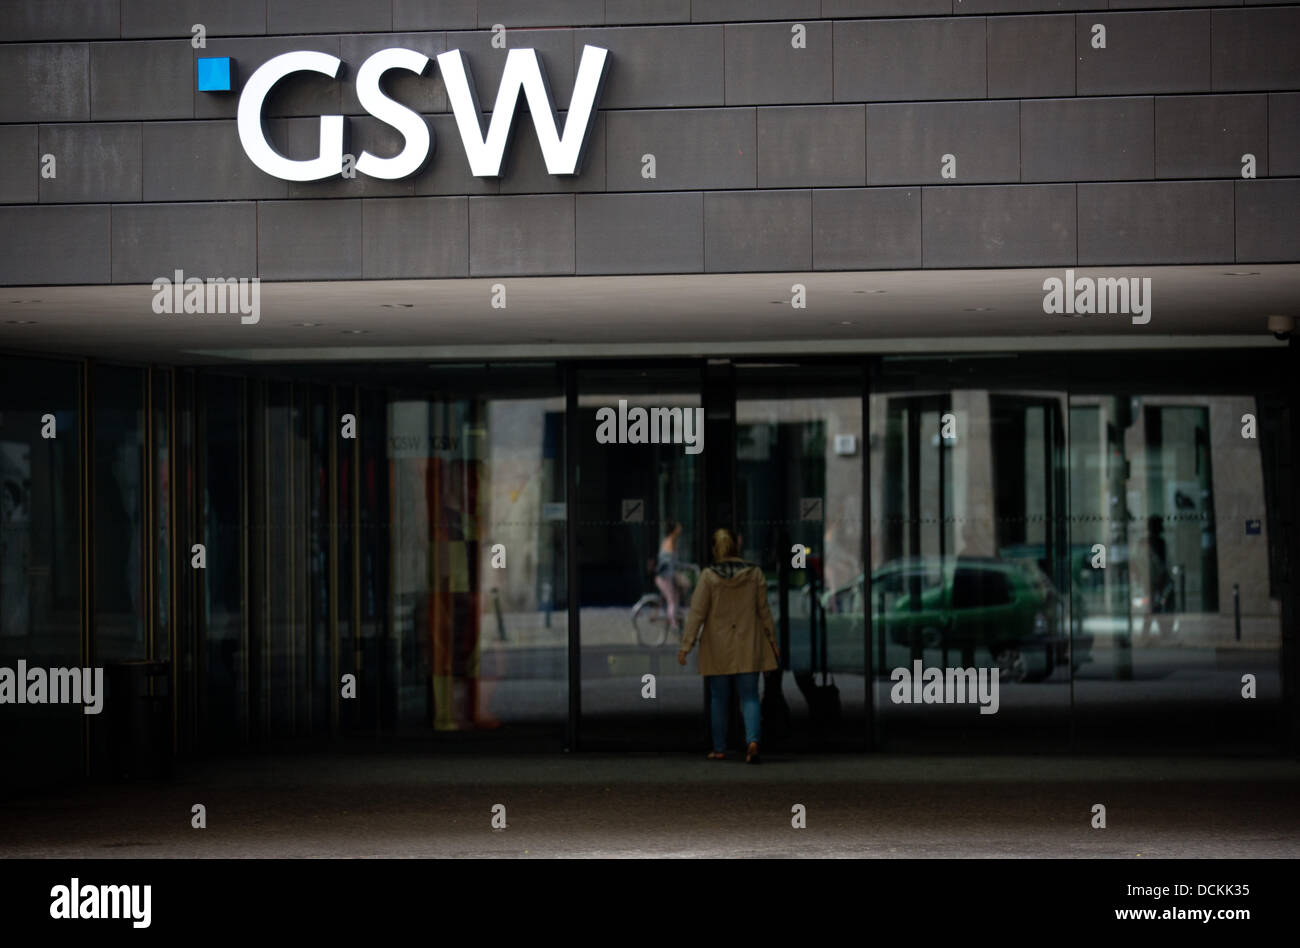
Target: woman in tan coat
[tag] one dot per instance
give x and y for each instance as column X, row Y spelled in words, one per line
column 738, row 640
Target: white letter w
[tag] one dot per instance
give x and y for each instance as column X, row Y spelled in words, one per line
column 563, row 153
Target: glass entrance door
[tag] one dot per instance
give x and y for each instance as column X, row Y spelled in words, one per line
column 971, row 567
column 641, row 541
column 799, row 480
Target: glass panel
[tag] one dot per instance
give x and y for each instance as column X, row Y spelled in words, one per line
column 321, row 433
column 375, row 685
column 118, row 409
column 475, row 482
column 1172, row 487
column 40, row 560
column 223, row 709
column 970, row 575
column 641, row 543
column 799, row 482
column 343, row 570
column 162, row 508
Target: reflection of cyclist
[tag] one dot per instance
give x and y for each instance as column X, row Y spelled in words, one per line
column 666, row 568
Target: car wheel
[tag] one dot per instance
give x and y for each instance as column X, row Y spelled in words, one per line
column 1011, row 664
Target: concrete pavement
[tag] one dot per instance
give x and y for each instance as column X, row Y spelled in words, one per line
column 410, row 801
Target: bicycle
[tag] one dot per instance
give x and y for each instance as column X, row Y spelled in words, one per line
column 650, row 614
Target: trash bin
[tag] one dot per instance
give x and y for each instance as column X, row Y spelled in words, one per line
column 139, row 711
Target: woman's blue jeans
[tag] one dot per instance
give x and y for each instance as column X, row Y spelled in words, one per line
column 720, row 706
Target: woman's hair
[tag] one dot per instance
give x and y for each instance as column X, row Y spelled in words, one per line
column 669, row 526
column 724, row 544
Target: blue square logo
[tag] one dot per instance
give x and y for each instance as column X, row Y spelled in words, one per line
column 214, row 74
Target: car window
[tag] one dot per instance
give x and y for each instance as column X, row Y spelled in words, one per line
column 893, row 589
column 975, row 588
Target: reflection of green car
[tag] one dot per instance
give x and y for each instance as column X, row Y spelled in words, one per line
column 1005, row 608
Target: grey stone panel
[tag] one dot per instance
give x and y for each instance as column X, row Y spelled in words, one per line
column 867, row 229
column 998, row 226
column 1155, row 222
column 1256, row 49
column 301, row 140
column 20, row 164
column 516, row 13
column 152, row 79
column 908, row 141
column 554, row 49
column 1030, row 56
column 422, row 93
column 713, row 11
column 762, row 67
column 66, row 244
column 838, row 9
column 646, row 65
column 203, row 240
column 525, row 170
column 415, row 238
column 303, row 94
column 204, row 161
column 1029, row 6
column 892, row 60
column 435, row 14
column 1087, row 139
column 42, row 20
column 757, row 230
column 309, row 240
column 1145, row 53
column 1147, row 4
column 521, row 235
column 447, row 171
column 812, row 146
column 647, row 11
column 1284, row 133
column 142, row 19
column 94, row 163
column 640, row 233
column 694, row 149
column 1204, row 136
column 328, row 16
column 1268, row 221
column 45, row 82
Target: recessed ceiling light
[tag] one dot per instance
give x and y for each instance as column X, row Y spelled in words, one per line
column 306, row 324
column 355, row 332
column 21, row 322
column 777, row 302
column 397, row 305
column 1241, row 273
column 848, row 322
column 979, row 309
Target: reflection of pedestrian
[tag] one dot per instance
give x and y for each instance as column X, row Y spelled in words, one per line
column 1159, row 584
column 15, row 551
column 666, row 568
column 738, row 640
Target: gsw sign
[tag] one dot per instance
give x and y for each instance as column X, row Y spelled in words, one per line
column 563, row 151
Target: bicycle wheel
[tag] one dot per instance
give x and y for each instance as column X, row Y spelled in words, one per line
column 650, row 620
